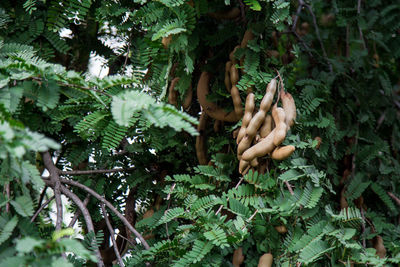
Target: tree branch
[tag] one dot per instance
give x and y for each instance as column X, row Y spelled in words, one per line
column 78, row 212
column 359, row 28
column 84, row 210
column 112, row 234
column 87, row 172
column 55, row 178
column 396, row 199
column 110, row 206
column 41, row 208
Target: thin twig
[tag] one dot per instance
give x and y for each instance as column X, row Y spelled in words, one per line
column 110, row 206
column 112, row 234
column 87, row 172
column 363, row 227
column 41, row 208
column 359, row 28
column 7, row 189
column 41, row 196
column 126, row 239
column 396, row 199
column 78, row 212
column 55, row 178
column 318, row 34
column 289, row 188
column 237, row 185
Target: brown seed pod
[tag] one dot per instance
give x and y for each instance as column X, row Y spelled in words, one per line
column 262, row 148
column 266, row 127
column 149, row 213
column 172, row 93
column 237, row 102
column 166, row 41
column 343, row 200
column 254, row 162
column 281, row 153
column 230, row 14
column 266, row 260
column 281, row 229
column 238, row 257
column 210, row 108
column 232, row 55
column 217, row 126
column 227, row 79
column 244, row 144
column 248, row 35
column 266, row 102
column 319, row 140
column 201, row 151
column 273, row 53
column 378, row 245
column 243, row 165
column 187, row 101
column 248, row 114
column 278, row 114
column 234, row 75
column 289, row 106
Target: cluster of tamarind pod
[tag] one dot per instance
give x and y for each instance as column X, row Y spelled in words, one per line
column 261, row 134
column 265, row 260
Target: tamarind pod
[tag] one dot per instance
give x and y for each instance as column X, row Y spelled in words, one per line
column 241, row 134
column 172, row 93
column 237, row 102
column 255, row 123
column 234, row 75
column 238, row 257
column 266, row 102
column 166, row 41
column 235, row 133
column 188, row 98
column 248, row 114
column 243, row 165
column 149, row 213
column 254, row 162
column 210, row 108
column 266, row 127
column 289, row 106
column 232, row 55
column 319, row 140
column 278, row 115
column 248, row 35
column 227, row 79
column 265, row 105
column 257, row 138
column 201, row 140
column 273, row 53
column 230, row 14
column 266, row 260
column 244, row 144
column 217, row 126
column 343, row 200
column 379, row 247
column 281, row 153
column 262, row 148
column 281, row 229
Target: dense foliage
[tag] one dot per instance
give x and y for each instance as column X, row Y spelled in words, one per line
column 119, row 152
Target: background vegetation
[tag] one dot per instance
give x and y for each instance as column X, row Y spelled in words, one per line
column 126, row 160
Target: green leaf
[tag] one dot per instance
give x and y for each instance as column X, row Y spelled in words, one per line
column 7, row 230
column 27, row 244
column 290, row 175
column 74, row 246
column 23, row 205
